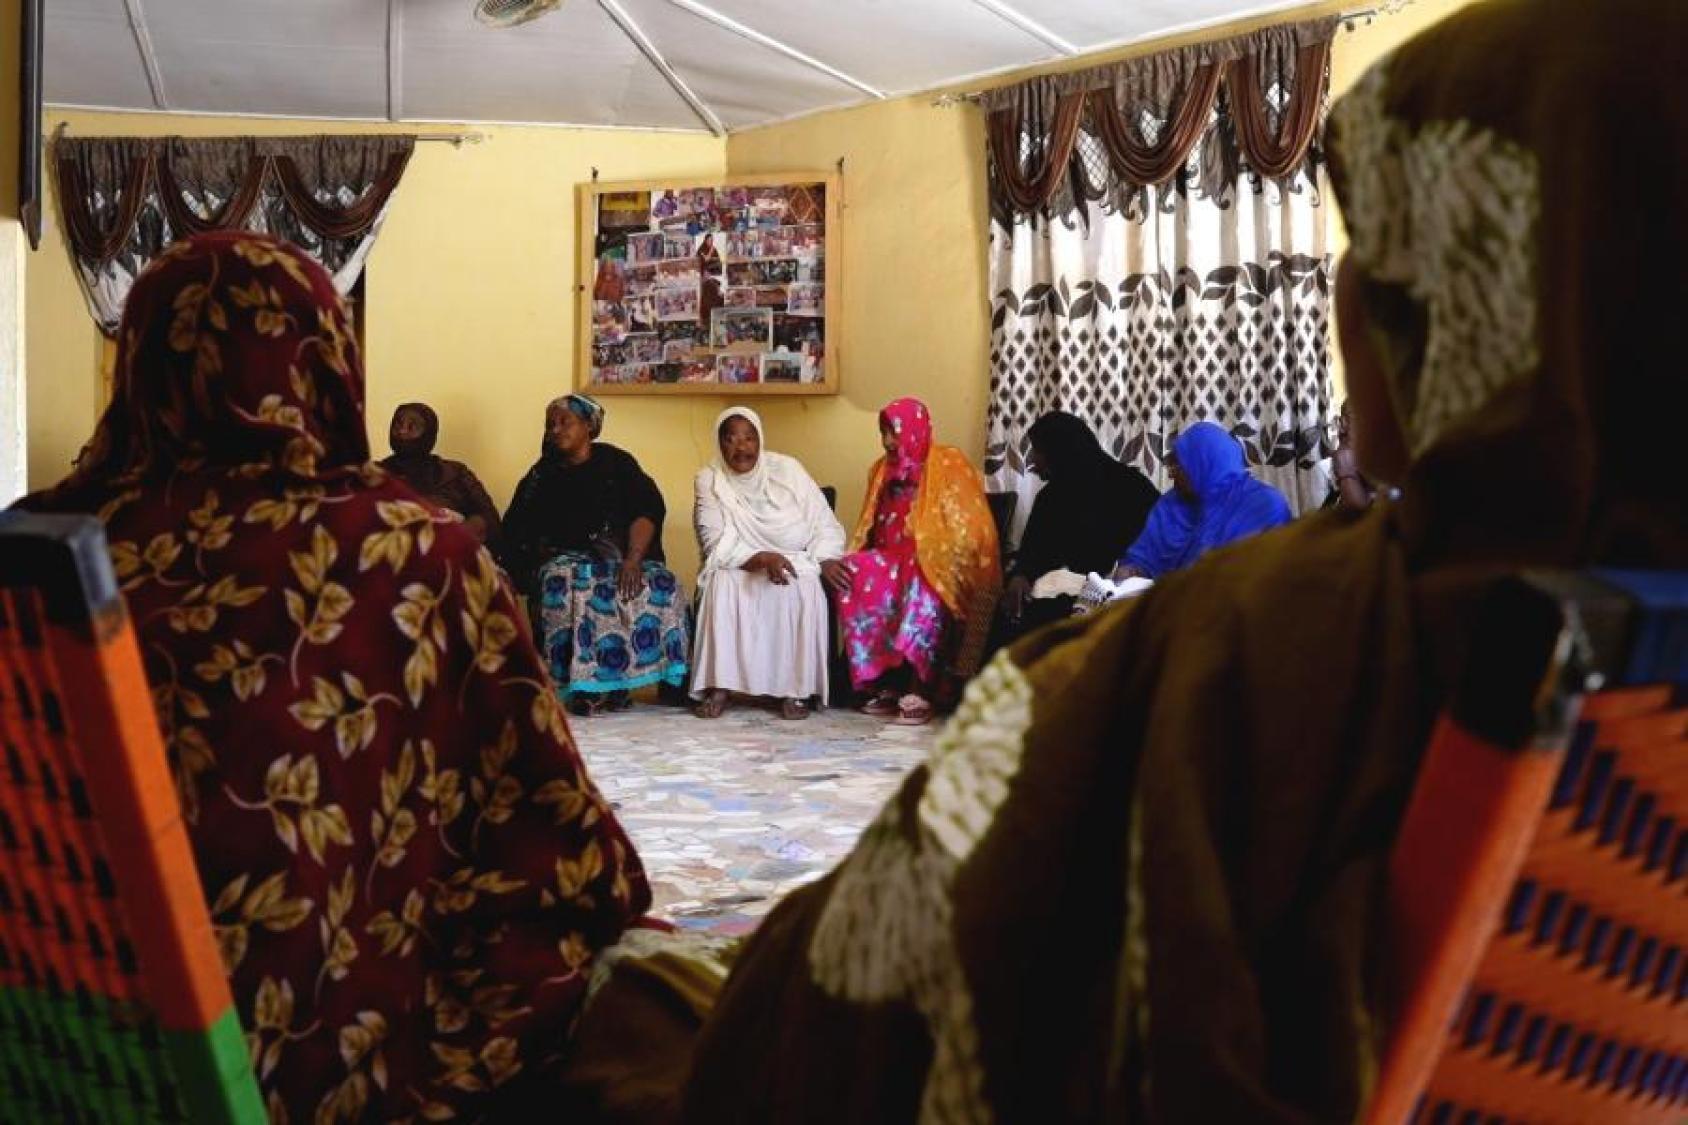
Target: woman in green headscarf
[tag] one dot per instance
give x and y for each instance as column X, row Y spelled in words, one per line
column 1139, row 878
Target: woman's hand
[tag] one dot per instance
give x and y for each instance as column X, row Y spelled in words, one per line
column 776, row 566
column 837, row 575
column 631, row 580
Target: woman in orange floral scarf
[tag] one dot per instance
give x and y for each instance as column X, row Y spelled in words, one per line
column 408, row 868
column 924, row 550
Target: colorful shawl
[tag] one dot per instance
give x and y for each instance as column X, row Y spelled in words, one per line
column 1140, row 878
column 407, row 867
column 1229, row 505
column 954, row 534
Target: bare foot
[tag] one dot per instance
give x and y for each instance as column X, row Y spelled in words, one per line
column 912, row 711
column 794, row 709
column 712, row 705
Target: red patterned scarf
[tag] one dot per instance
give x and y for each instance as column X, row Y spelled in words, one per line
column 407, row 866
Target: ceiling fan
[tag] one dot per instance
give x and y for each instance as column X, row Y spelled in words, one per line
column 509, row 13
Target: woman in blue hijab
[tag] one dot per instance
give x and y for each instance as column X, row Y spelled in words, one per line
column 1213, row 502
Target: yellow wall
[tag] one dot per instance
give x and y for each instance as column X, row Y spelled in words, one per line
column 10, row 65
column 12, row 250
column 477, row 316
column 915, row 319
column 470, row 296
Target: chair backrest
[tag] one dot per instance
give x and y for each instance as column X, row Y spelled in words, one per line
column 113, row 1001
column 1539, row 886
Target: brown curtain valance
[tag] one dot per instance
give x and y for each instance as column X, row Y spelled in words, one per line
column 1067, row 138
column 124, row 199
column 335, row 186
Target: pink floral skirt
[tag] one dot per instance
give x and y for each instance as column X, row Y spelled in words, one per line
column 890, row 617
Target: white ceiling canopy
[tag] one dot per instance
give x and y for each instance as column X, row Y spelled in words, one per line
column 718, row 65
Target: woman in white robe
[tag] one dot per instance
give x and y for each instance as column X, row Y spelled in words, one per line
column 768, row 539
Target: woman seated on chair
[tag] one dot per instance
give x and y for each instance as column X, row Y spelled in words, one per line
column 1090, row 510
column 583, row 541
column 446, row 484
column 379, row 786
column 1213, row 502
column 1142, row 878
column 923, row 556
column 764, row 531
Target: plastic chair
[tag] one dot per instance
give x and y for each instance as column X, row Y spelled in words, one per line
column 1539, row 886
column 113, row 1001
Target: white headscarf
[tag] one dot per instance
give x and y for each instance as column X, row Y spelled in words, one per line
column 776, row 506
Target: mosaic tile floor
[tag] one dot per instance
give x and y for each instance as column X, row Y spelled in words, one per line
column 729, row 815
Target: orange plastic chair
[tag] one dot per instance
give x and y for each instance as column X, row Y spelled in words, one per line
column 1539, row 887
column 113, row 1002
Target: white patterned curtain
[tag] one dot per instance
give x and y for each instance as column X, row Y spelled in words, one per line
column 1158, row 257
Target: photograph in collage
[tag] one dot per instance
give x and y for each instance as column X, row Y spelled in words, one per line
column 739, row 368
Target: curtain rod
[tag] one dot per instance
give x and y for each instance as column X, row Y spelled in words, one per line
column 456, row 140
column 1351, row 20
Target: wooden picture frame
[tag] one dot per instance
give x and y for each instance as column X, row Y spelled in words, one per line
column 768, row 322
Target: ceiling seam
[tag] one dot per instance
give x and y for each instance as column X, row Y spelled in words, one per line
column 1016, row 18
column 149, row 57
column 744, row 31
column 498, row 122
column 647, row 48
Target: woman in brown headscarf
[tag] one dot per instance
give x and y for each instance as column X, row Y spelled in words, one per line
column 407, row 866
column 1138, row 879
column 451, row 485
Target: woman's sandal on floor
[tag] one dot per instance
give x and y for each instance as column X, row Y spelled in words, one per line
column 912, row 711
column 883, row 705
column 794, row 709
column 711, row 706
column 587, row 706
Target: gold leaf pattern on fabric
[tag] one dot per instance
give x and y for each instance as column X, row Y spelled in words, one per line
column 408, row 526
column 356, row 778
column 210, row 530
column 398, row 933
column 269, row 315
column 296, row 504
column 418, row 617
column 573, row 876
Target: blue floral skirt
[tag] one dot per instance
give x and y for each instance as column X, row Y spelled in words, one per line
column 596, row 642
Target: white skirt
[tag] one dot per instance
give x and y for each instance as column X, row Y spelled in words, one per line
column 756, row 638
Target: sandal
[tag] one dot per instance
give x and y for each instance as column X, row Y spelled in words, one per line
column 587, row 706
column 912, row 711
column 711, row 706
column 883, row 705
column 794, row 709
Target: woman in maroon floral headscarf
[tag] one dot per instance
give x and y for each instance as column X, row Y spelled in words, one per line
column 408, row 868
